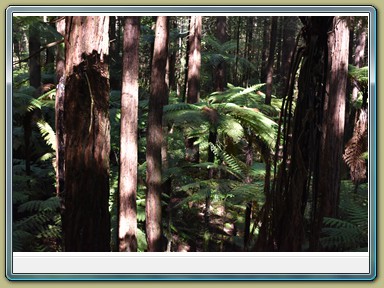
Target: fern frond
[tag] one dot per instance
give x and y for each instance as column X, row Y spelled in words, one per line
column 261, row 126
column 356, row 146
column 47, row 133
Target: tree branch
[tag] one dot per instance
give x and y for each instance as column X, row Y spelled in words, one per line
column 49, row 45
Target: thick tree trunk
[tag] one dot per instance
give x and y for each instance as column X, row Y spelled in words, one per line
column 293, row 189
column 155, row 136
column 331, row 148
column 128, row 136
column 86, row 221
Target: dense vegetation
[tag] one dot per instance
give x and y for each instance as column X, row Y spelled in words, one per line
column 232, row 156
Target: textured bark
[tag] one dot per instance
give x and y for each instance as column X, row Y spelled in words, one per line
column 86, row 221
column 334, row 117
column 193, row 92
column 155, row 136
column 59, row 114
column 128, row 136
column 293, row 188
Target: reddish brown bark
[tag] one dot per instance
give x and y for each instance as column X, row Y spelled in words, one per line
column 128, row 136
column 194, row 64
column 155, row 136
column 86, row 223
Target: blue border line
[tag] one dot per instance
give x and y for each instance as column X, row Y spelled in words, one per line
column 194, row 9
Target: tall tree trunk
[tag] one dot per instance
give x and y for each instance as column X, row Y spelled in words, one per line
column 248, row 209
column 271, row 60
column 34, row 81
column 331, row 144
column 128, row 136
column 86, row 221
column 59, row 114
column 289, row 31
column 194, row 63
column 220, row 83
column 155, row 136
column 235, row 76
column 220, row 77
column 279, row 49
column 34, row 61
column 359, row 52
column 326, row 179
column 264, row 51
column 293, row 188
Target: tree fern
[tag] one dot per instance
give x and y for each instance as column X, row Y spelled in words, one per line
column 350, row 231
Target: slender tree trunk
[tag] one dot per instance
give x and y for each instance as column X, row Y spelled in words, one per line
column 128, row 136
column 34, row 81
column 59, row 114
column 34, row 61
column 271, row 60
column 235, row 76
column 155, row 136
column 220, row 72
column 194, row 63
column 186, row 65
column 86, row 221
column 264, row 51
column 248, row 49
column 359, row 52
column 172, row 62
column 289, row 31
column 279, row 48
column 248, row 209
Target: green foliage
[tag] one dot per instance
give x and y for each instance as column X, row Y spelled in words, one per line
column 350, row 231
column 359, row 77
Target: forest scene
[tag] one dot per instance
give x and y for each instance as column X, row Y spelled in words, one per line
column 190, row 134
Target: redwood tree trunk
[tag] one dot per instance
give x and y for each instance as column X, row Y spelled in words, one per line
column 155, row 136
column 194, row 63
column 86, row 221
column 59, row 113
column 220, row 77
column 288, row 46
column 128, row 136
column 334, row 117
